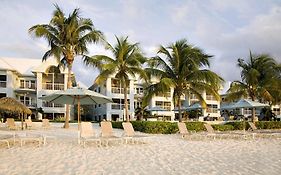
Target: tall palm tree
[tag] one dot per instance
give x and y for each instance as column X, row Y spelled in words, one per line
column 181, row 69
column 67, row 37
column 261, row 80
column 126, row 62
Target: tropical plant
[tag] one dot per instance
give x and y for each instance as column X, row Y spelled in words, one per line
column 182, row 69
column 67, row 38
column 126, row 62
column 260, row 80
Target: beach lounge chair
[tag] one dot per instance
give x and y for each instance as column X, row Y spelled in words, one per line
column 262, row 133
column 87, row 134
column 29, row 137
column 46, row 124
column 252, row 126
column 28, row 123
column 183, row 130
column 107, row 133
column 11, row 124
column 211, row 132
column 4, row 138
column 129, row 133
column 186, row 134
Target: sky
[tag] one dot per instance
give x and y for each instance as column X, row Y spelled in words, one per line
column 226, row 29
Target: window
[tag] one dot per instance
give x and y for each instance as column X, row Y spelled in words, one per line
column 137, row 104
column 119, row 103
column 212, row 108
column 210, row 97
column 138, row 90
column 27, row 84
column 117, row 88
column 166, row 94
column 276, row 111
column 3, row 81
column 163, row 104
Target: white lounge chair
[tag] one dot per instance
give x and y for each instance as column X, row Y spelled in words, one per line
column 87, row 134
column 129, row 133
column 107, row 133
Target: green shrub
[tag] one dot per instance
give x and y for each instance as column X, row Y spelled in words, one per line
column 117, row 125
column 268, row 124
column 223, row 127
column 159, row 127
column 195, row 126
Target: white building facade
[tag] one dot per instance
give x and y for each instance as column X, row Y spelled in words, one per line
column 28, row 79
column 115, row 111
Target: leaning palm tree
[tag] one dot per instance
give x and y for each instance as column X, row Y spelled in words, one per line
column 126, row 63
column 261, row 80
column 67, row 37
column 181, row 69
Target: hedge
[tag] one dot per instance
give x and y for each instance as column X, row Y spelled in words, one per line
column 159, row 127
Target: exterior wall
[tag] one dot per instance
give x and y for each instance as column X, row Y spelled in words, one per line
column 106, row 111
column 30, row 96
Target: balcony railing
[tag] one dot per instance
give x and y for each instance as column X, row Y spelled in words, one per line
column 52, row 105
column 27, row 86
column 119, row 106
column 28, row 104
column 3, row 84
column 117, row 90
column 52, row 86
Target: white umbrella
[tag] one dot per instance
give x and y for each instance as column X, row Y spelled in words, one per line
column 156, row 108
column 77, row 95
column 244, row 103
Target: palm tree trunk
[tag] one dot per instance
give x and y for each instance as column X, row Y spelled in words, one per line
column 179, row 108
column 126, row 102
column 253, row 114
column 69, row 85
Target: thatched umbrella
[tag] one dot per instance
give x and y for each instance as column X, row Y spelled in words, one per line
column 11, row 105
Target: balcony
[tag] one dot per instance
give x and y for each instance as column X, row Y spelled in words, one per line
column 118, row 90
column 52, row 105
column 52, row 86
column 27, row 85
column 119, row 106
column 3, row 84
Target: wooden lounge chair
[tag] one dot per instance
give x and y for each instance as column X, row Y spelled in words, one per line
column 107, row 133
column 46, row 124
column 129, row 133
column 11, row 124
column 87, row 134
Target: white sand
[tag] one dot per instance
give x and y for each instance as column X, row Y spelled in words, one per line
column 163, row 154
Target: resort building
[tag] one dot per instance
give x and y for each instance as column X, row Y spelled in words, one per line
column 162, row 106
column 28, row 79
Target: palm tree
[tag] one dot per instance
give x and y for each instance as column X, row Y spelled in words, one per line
column 67, row 37
column 126, row 62
column 181, row 69
column 261, row 80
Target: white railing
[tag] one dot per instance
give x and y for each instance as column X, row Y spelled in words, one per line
column 3, row 84
column 27, row 86
column 119, row 106
column 210, row 97
column 52, row 86
column 52, row 105
column 118, row 90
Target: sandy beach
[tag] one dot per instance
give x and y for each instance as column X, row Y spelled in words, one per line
column 161, row 154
